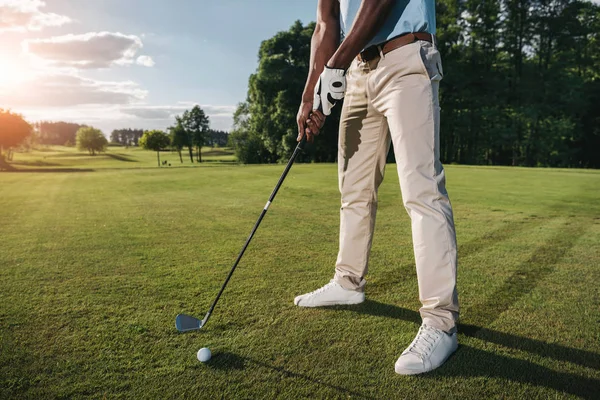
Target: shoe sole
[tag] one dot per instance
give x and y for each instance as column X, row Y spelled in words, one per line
column 336, row 303
column 417, row 372
column 411, row 372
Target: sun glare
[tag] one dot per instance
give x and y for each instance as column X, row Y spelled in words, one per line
column 11, row 73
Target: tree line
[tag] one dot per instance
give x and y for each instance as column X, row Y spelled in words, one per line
column 56, row 133
column 126, row 137
column 62, row 133
column 521, row 87
column 191, row 131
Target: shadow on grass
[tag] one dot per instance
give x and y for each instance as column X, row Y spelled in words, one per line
column 506, row 231
column 37, row 163
column 6, row 167
column 528, row 274
column 469, row 361
column 50, row 170
column 466, row 362
column 217, row 153
column 120, row 157
column 230, row 361
column 543, row 349
column 227, row 361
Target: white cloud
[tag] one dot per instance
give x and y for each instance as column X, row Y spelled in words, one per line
column 221, row 123
column 89, row 50
column 219, row 111
column 24, row 15
column 146, row 61
column 64, row 90
column 94, row 115
column 151, row 112
column 170, row 111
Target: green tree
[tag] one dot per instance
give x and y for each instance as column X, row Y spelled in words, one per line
column 155, row 140
column 274, row 93
column 216, row 138
column 197, row 125
column 521, row 82
column 91, row 139
column 179, row 138
column 126, row 137
column 187, row 139
column 13, row 131
column 57, row 133
column 247, row 144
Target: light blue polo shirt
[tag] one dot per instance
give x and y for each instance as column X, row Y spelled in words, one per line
column 406, row 16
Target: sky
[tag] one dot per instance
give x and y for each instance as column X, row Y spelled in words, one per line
column 136, row 64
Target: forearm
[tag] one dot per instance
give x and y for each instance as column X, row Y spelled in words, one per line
column 371, row 15
column 325, row 40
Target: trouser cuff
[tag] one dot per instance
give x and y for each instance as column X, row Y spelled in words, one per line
column 448, row 325
column 350, row 282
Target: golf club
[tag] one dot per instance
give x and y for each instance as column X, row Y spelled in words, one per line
column 186, row 323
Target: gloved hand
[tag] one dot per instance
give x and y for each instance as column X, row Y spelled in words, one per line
column 329, row 89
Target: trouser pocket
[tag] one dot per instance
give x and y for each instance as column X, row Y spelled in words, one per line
column 430, row 61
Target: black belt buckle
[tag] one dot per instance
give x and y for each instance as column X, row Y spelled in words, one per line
column 369, row 53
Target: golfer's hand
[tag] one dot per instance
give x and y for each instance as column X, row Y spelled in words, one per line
column 329, row 89
column 309, row 122
column 302, row 119
column 315, row 121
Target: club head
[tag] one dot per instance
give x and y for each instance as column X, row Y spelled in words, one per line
column 186, row 323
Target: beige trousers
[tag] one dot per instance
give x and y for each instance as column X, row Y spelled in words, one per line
column 395, row 99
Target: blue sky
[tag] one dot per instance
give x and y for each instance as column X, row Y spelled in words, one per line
column 134, row 63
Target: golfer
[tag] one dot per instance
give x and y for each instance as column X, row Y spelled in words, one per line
column 389, row 69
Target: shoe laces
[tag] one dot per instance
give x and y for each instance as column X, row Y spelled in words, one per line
column 324, row 288
column 425, row 340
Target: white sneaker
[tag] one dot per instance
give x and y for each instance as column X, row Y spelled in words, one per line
column 329, row 295
column 428, row 351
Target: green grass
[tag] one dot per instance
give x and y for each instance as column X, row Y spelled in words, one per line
column 60, row 158
column 95, row 265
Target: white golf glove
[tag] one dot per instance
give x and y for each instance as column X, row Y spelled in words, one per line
column 329, row 89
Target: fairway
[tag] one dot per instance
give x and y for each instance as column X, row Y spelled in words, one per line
column 96, row 262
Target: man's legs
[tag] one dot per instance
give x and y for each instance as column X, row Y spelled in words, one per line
column 404, row 89
column 363, row 145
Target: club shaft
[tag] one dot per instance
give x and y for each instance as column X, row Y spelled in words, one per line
column 256, row 225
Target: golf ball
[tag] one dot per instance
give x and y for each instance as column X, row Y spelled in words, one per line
column 204, row 354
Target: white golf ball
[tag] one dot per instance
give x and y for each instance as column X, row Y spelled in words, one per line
column 204, row 354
